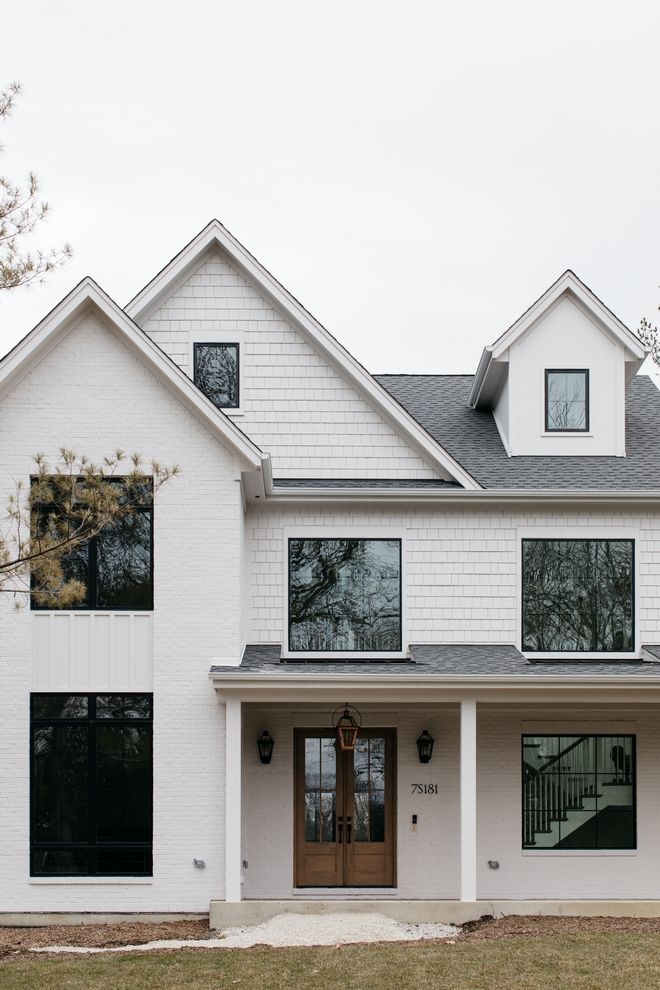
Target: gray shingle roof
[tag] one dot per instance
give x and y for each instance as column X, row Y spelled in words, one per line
column 448, row 659
column 438, row 403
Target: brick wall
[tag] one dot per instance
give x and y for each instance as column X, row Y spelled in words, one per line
column 90, row 393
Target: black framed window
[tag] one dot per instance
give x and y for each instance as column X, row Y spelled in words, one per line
column 91, row 785
column 578, row 595
column 578, row 792
column 216, row 373
column 344, row 595
column 566, row 400
column 116, row 565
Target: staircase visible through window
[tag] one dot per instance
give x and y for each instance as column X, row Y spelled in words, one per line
column 578, row 792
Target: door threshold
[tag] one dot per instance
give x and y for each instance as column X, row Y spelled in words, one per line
column 344, row 893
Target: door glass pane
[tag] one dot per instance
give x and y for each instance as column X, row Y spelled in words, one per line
column 320, row 789
column 369, row 787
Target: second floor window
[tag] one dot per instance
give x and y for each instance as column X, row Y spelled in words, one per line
column 345, row 595
column 566, row 401
column 116, row 565
column 216, row 373
column 578, row 595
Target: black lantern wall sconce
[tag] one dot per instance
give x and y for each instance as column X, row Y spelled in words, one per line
column 265, row 745
column 425, row 746
column 346, row 725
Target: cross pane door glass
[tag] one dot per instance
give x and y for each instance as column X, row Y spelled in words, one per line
column 320, row 789
column 369, row 789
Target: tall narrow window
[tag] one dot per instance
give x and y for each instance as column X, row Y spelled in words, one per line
column 345, row 595
column 216, row 373
column 566, row 401
column 578, row 595
column 116, row 565
column 578, row 792
column 91, row 785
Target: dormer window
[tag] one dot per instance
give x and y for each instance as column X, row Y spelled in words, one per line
column 216, row 373
column 566, row 401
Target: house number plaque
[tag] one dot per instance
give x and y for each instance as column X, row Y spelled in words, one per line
column 424, row 788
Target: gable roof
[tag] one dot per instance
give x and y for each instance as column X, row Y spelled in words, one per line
column 439, row 403
column 216, row 238
column 88, row 297
column 492, row 365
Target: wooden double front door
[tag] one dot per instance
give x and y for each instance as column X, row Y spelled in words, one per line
column 344, row 810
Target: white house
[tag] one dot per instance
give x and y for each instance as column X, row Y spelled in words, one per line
column 468, row 564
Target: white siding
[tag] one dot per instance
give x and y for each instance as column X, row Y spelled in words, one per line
column 462, row 566
column 296, row 406
column 92, row 651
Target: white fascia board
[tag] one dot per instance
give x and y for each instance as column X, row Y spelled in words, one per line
column 216, row 236
column 570, row 283
column 405, row 689
column 458, row 497
column 89, row 297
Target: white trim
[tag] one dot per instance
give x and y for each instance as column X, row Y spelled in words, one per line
column 233, row 793
column 468, row 799
column 361, row 531
column 214, row 235
column 578, row 533
column 221, row 337
column 90, row 881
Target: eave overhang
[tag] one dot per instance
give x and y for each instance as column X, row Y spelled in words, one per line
column 461, row 496
column 406, row 689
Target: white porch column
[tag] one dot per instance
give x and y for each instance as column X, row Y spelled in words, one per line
column 468, row 800
column 233, row 844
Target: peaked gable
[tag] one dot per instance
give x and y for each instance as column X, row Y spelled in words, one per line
column 491, row 372
column 87, row 297
column 303, row 378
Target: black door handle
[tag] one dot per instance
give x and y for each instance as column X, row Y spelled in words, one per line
column 348, row 834
column 340, row 827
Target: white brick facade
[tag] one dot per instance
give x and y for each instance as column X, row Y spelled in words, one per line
column 220, row 582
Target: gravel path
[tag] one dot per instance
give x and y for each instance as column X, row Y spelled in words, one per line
column 291, row 929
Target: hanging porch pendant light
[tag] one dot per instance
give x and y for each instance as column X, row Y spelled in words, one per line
column 346, row 725
column 425, row 746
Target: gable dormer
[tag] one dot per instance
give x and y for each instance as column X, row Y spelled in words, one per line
column 556, row 380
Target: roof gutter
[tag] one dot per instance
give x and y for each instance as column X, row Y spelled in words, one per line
column 460, row 495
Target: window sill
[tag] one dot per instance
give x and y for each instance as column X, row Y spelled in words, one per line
column 49, row 881
column 566, row 433
column 323, row 656
column 590, row 853
column 583, row 657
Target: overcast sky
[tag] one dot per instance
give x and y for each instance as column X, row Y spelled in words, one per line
column 416, row 173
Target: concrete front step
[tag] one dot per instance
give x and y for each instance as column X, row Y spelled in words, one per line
column 226, row 914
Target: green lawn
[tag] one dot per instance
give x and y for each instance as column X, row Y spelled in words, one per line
column 566, row 962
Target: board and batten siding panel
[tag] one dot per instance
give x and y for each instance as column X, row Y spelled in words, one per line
column 74, row 651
